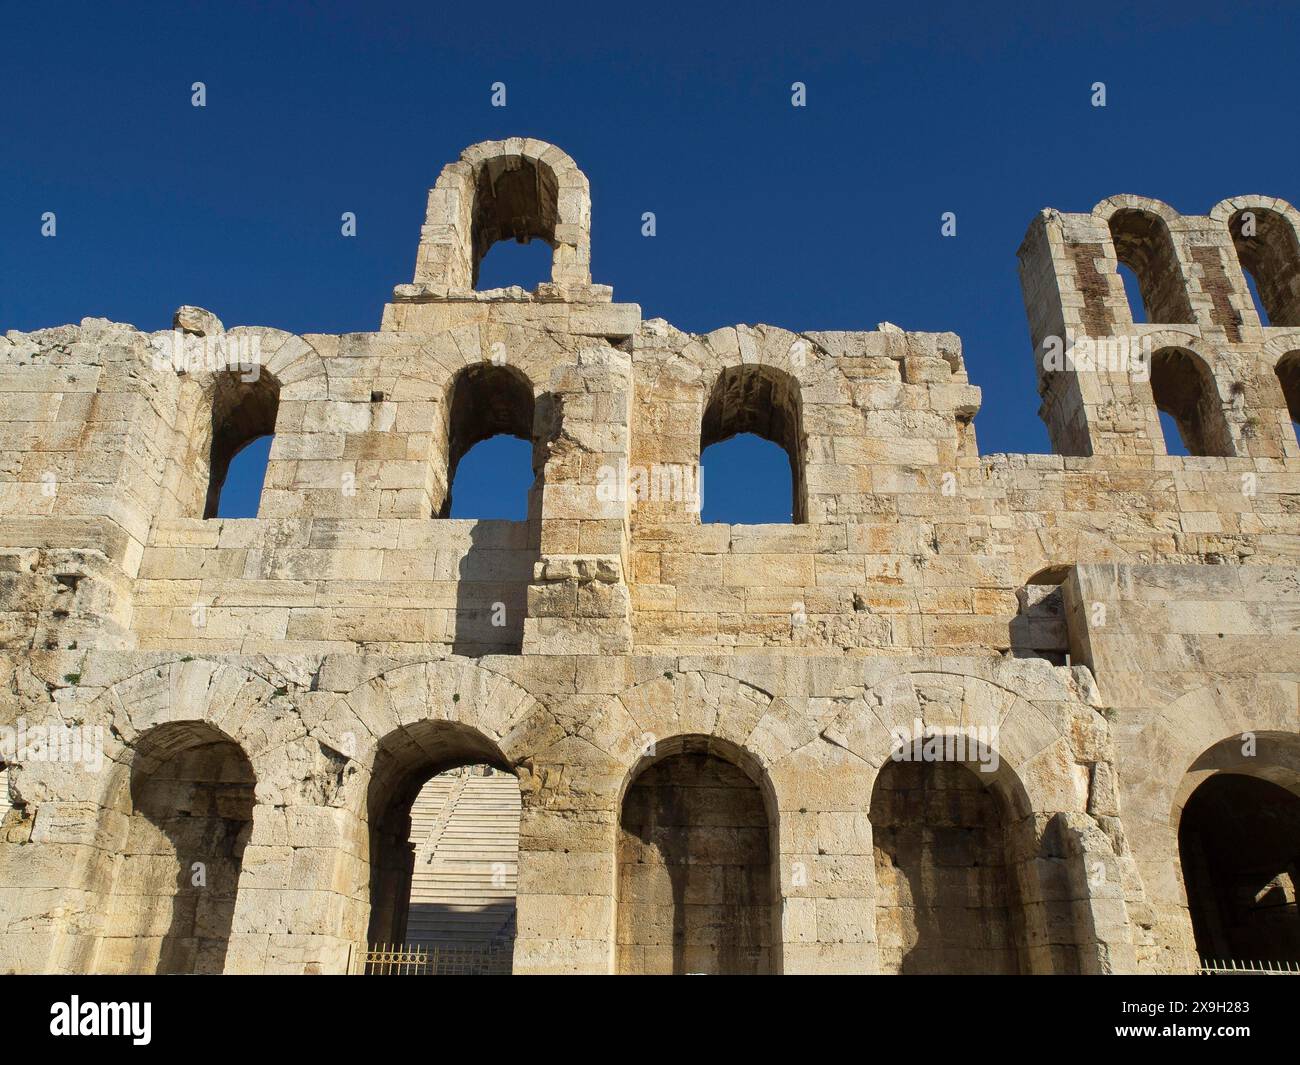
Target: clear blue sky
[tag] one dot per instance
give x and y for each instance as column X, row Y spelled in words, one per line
column 823, row 217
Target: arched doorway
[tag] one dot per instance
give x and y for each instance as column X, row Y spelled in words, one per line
column 696, row 879
column 946, row 893
column 185, row 816
column 443, row 813
column 1239, row 845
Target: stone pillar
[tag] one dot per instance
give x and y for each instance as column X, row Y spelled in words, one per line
column 304, row 887
column 564, row 903
column 578, row 602
column 1096, row 878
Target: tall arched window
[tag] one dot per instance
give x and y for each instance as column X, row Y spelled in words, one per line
column 515, row 198
column 946, row 896
column 1269, row 253
column 1143, row 246
column 1183, row 389
column 763, row 403
column 1241, row 868
column 186, row 814
column 443, row 811
column 490, row 413
column 696, row 880
column 244, row 409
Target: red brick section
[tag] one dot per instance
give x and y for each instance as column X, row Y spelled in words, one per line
column 1214, row 281
column 1097, row 318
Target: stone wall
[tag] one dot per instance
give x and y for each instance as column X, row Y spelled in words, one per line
column 1115, row 619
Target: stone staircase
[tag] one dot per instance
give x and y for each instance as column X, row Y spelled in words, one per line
column 465, row 831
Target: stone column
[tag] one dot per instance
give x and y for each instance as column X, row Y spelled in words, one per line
column 578, row 602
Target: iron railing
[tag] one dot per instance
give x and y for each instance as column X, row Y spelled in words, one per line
column 419, row 959
column 1237, row 967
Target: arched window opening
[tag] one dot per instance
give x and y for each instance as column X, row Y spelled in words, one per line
column 493, row 480
column 1269, row 255
column 490, row 401
column 245, row 476
column 946, row 897
column 1237, row 840
column 696, row 877
column 444, row 849
column 1184, row 390
column 747, row 481
column 515, row 199
column 243, row 412
column 187, row 815
column 526, row 265
column 1133, row 293
column 1257, row 301
column 1142, row 243
column 762, row 402
column 1288, row 375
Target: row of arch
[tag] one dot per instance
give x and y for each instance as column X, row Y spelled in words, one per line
column 485, row 401
column 698, row 881
column 1268, row 255
column 760, row 403
column 697, row 845
column 954, row 849
column 1191, row 411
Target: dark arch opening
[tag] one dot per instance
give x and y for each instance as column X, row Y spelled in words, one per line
column 1183, row 388
column 243, row 411
column 1288, row 375
column 188, row 813
column 696, row 879
column 1143, row 244
column 443, row 811
column 515, row 198
column 946, row 896
column 766, row 403
column 1268, row 252
column 488, row 401
column 1239, row 844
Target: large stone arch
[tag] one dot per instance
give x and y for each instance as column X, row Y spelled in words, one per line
column 147, row 719
column 404, row 724
column 1173, row 751
column 813, row 790
column 697, row 862
column 178, row 822
column 1050, row 767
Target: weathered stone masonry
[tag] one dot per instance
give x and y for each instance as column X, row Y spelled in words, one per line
column 701, row 717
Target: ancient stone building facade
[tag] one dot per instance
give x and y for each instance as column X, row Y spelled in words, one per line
column 970, row 713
